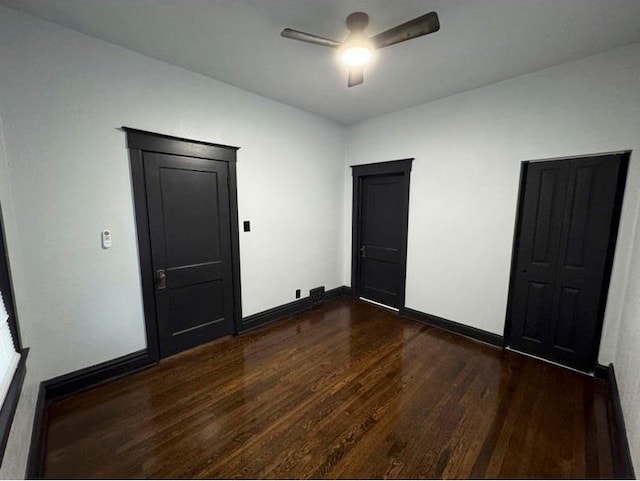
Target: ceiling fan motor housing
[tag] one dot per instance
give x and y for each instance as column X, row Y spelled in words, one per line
column 357, row 21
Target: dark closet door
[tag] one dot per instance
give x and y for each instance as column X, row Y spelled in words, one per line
column 383, row 200
column 188, row 205
column 568, row 225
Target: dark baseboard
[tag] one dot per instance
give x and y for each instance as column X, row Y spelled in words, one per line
column 275, row 314
column 622, row 463
column 38, row 446
column 10, row 403
column 337, row 292
column 90, row 377
column 67, row 385
column 455, row 327
column 348, row 291
column 290, row 309
column 601, row 372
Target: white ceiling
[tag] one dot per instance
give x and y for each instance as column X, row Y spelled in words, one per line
column 238, row 42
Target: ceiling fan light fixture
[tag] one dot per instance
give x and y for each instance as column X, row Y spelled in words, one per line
column 356, row 56
column 357, row 50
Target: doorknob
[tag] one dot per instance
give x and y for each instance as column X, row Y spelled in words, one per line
column 362, row 251
column 161, row 279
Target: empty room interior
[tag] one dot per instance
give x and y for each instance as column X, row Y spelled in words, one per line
column 319, row 239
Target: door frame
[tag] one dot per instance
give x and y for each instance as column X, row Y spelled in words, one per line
column 613, row 237
column 139, row 141
column 359, row 172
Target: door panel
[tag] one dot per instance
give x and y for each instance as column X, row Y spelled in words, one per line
column 579, row 216
column 382, row 205
column 188, row 205
column 567, row 216
column 196, row 305
column 585, row 236
column 381, row 238
column 550, row 185
column 570, row 300
column 538, row 297
column 537, row 257
column 187, row 197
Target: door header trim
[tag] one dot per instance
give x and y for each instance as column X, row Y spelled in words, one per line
column 167, row 144
column 379, row 168
column 584, row 156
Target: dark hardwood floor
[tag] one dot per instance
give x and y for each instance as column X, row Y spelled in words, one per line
column 346, row 391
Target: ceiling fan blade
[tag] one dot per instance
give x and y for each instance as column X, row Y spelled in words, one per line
column 417, row 27
column 356, row 76
column 310, row 38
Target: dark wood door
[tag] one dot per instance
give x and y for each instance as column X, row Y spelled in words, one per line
column 188, row 205
column 382, row 205
column 568, row 225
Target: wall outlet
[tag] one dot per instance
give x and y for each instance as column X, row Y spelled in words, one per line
column 297, row 293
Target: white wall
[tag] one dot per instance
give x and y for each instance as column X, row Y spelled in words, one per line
column 63, row 97
column 464, row 184
column 627, row 355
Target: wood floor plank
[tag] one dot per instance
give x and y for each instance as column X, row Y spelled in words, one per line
column 348, row 390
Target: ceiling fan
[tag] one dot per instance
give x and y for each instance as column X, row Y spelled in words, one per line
column 358, row 48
